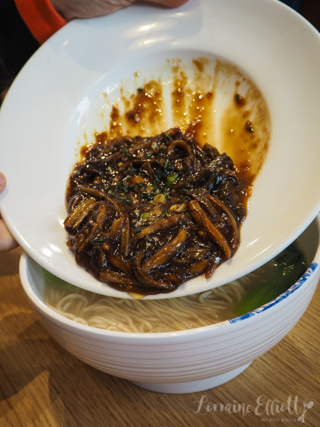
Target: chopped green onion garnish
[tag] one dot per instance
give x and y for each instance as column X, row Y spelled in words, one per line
column 144, row 216
column 172, row 178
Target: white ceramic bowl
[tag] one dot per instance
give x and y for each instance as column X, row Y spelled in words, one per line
column 268, row 42
column 186, row 361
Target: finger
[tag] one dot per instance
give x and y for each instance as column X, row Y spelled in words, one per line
column 7, row 242
column 3, row 182
column 169, row 3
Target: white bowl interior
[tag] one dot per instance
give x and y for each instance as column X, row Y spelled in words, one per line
column 271, row 44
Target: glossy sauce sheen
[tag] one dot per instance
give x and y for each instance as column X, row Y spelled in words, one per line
column 148, row 214
column 215, row 101
column 218, row 107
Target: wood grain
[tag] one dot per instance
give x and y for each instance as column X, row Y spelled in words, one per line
column 43, row 385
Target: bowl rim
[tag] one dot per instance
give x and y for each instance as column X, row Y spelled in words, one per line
column 25, row 260
column 240, row 56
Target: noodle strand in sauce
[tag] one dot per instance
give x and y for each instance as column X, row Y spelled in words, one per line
column 148, row 214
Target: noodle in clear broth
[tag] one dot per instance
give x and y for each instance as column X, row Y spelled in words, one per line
column 176, row 314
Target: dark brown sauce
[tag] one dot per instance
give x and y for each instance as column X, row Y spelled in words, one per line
column 239, row 126
column 218, row 106
column 147, row 214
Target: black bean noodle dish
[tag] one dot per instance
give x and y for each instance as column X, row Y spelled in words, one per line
column 146, row 214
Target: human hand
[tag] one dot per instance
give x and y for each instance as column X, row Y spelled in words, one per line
column 7, row 242
column 70, row 9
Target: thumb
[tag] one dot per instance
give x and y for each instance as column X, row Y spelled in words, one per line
column 7, row 242
column 3, row 182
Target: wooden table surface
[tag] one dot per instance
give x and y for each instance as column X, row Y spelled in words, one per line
column 43, row 385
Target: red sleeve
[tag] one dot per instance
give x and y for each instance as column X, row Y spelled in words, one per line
column 40, row 17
